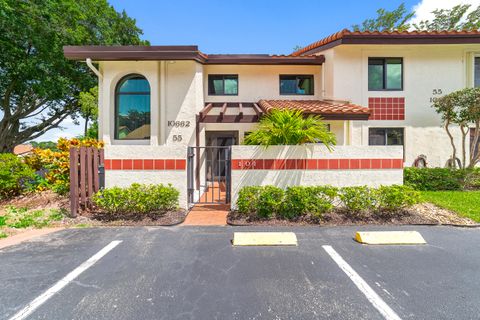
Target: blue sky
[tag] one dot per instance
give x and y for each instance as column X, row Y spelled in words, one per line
column 249, row 26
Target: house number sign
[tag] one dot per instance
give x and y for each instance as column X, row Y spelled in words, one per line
column 247, row 163
column 436, row 93
column 178, row 123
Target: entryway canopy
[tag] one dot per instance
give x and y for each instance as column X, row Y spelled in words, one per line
column 248, row 112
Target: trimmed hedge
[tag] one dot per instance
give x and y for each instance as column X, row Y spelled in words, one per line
column 137, row 199
column 436, row 179
column 266, row 202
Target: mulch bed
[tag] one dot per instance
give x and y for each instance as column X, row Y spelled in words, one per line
column 424, row 213
column 96, row 218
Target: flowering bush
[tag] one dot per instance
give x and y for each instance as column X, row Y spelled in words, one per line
column 54, row 166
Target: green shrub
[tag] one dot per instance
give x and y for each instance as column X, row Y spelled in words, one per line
column 15, row 175
column 358, row 199
column 138, row 198
column 434, row 179
column 314, row 201
column 472, row 179
column 269, row 201
column 395, row 197
column 298, row 201
column 247, row 200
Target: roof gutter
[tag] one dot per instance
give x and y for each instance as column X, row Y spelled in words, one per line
column 92, row 67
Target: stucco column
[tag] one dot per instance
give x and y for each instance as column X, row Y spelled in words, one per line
column 154, row 111
column 163, row 103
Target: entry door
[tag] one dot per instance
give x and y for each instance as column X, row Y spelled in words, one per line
column 216, row 154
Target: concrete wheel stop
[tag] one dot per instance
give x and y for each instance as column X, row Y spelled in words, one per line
column 390, row 237
column 264, row 239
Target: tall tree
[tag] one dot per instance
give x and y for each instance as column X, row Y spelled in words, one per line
column 387, row 20
column 452, row 19
column 89, row 110
column 455, row 18
column 39, row 88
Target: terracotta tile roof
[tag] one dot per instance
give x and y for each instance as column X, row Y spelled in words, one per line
column 386, row 37
column 327, row 108
column 22, row 149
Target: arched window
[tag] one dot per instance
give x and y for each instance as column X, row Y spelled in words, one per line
column 132, row 108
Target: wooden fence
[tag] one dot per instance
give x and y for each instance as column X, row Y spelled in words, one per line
column 86, row 176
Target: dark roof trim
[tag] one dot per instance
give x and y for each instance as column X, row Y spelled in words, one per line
column 129, row 53
column 387, row 38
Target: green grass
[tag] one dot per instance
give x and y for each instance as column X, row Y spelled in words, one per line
column 20, row 218
column 465, row 203
column 83, row 225
column 3, row 235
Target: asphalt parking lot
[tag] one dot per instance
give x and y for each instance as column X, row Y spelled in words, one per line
column 195, row 273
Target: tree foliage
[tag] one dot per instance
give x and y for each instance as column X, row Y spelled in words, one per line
column 462, row 108
column 387, row 20
column 88, row 101
column 39, row 88
column 455, row 18
column 290, row 127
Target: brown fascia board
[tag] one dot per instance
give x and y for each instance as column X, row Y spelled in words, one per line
column 133, row 53
column 127, row 53
column 393, row 39
column 263, row 59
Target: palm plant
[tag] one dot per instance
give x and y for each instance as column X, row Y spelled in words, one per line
column 290, row 127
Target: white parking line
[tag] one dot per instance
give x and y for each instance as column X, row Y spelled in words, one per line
column 371, row 295
column 32, row 306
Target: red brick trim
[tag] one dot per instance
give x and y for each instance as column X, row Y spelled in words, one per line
column 145, row 164
column 392, row 108
column 316, row 164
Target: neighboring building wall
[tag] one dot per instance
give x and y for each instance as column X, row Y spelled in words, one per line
column 425, row 68
column 125, row 165
column 284, row 166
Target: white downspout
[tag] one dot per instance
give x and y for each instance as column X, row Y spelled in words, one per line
column 101, row 135
column 92, row 67
column 323, row 80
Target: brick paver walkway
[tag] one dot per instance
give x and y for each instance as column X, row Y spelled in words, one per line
column 204, row 214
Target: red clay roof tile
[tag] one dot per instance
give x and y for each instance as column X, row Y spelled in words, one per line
column 322, row 107
column 470, row 36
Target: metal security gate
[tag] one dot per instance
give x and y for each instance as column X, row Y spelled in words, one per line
column 209, row 174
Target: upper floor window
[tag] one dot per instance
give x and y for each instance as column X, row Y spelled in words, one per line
column 132, row 108
column 385, row 74
column 222, row 85
column 296, row 84
column 476, row 72
column 385, row 136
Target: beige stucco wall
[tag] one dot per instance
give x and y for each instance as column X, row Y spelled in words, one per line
column 124, row 178
column 426, row 67
column 176, row 95
column 257, row 82
column 339, row 178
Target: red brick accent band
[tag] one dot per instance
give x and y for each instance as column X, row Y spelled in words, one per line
column 387, row 108
column 315, row 164
column 145, row 164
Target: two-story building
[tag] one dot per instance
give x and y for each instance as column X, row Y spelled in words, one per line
column 372, row 88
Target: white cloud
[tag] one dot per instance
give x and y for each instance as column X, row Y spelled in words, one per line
column 423, row 10
column 68, row 130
